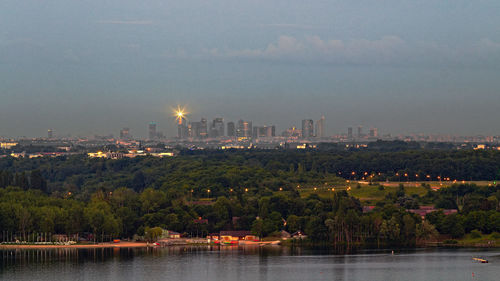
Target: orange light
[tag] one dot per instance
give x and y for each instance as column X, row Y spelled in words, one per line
column 179, row 114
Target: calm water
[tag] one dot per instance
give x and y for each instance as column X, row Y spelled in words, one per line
column 233, row 263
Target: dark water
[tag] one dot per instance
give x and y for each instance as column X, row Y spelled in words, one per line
column 233, row 263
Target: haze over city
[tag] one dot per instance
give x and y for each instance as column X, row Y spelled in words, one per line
column 93, row 67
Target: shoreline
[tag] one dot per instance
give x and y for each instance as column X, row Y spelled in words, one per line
column 82, row 246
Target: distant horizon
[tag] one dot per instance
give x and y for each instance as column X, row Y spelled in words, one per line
column 171, row 133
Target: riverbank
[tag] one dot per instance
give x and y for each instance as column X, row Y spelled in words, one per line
column 100, row 245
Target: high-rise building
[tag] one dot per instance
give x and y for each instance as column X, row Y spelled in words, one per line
column 264, row 131
column 203, row 128
column 125, row 133
column 152, row 131
column 217, row 128
column 198, row 130
column 360, row 131
column 231, row 130
column 255, row 132
column 373, row 132
column 182, row 128
column 307, row 128
column 194, row 129
column 292, row 132
column 50, row 133
column 270, row 131
column 244, row 129
column 349, row 132
column 320, row 127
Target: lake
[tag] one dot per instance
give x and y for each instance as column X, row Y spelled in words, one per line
column 247, row 263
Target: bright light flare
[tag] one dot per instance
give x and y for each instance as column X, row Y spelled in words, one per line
column 180, row 113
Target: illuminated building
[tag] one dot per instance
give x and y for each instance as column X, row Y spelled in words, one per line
column 244, row 129
column 203, row 128
column 307, row 128
column 7, row 145
column 373, row 132
column 198, row 130
column 292, row 132
column 50, row 133
column 264, row 132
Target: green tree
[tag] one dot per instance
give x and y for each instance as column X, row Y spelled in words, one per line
column 152, row 234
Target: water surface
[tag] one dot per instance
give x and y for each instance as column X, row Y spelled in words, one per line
column 249, row 263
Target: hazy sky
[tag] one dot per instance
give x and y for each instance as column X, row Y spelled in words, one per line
column 404, row 66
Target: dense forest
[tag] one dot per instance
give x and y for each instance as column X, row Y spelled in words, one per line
column 253, row 190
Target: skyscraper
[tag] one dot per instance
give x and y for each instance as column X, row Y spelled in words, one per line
column 231, row 132
column 264, row 131
column 50, row 133
column 152, row 131
column 244, row 129
column 360, row 131
column 373, row 132
column 125, row 133
column 217, row 128
column 182, row 128
column 307, row 128
column 320, row 127
column 203, row 128
column 349, row 132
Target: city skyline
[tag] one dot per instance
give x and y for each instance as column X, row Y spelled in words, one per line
column 88, row 68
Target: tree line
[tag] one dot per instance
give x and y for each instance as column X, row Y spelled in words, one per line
column 250, row 190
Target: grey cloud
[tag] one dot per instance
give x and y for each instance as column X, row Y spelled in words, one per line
column 386, row 50
column 129, row 22
column 290, row 25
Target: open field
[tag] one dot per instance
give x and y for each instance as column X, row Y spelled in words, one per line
column 372, row 193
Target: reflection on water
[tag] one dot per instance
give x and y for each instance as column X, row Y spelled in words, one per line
column 244, row 263
column 20, row 257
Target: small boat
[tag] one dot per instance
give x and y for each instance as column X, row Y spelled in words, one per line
column 480, row 260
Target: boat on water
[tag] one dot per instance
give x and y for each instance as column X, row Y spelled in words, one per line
column 480, row 260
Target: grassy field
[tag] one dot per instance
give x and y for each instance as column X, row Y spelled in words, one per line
column 370, row 194
column 485, row 240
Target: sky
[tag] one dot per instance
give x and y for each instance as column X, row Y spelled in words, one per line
column 404, row 66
